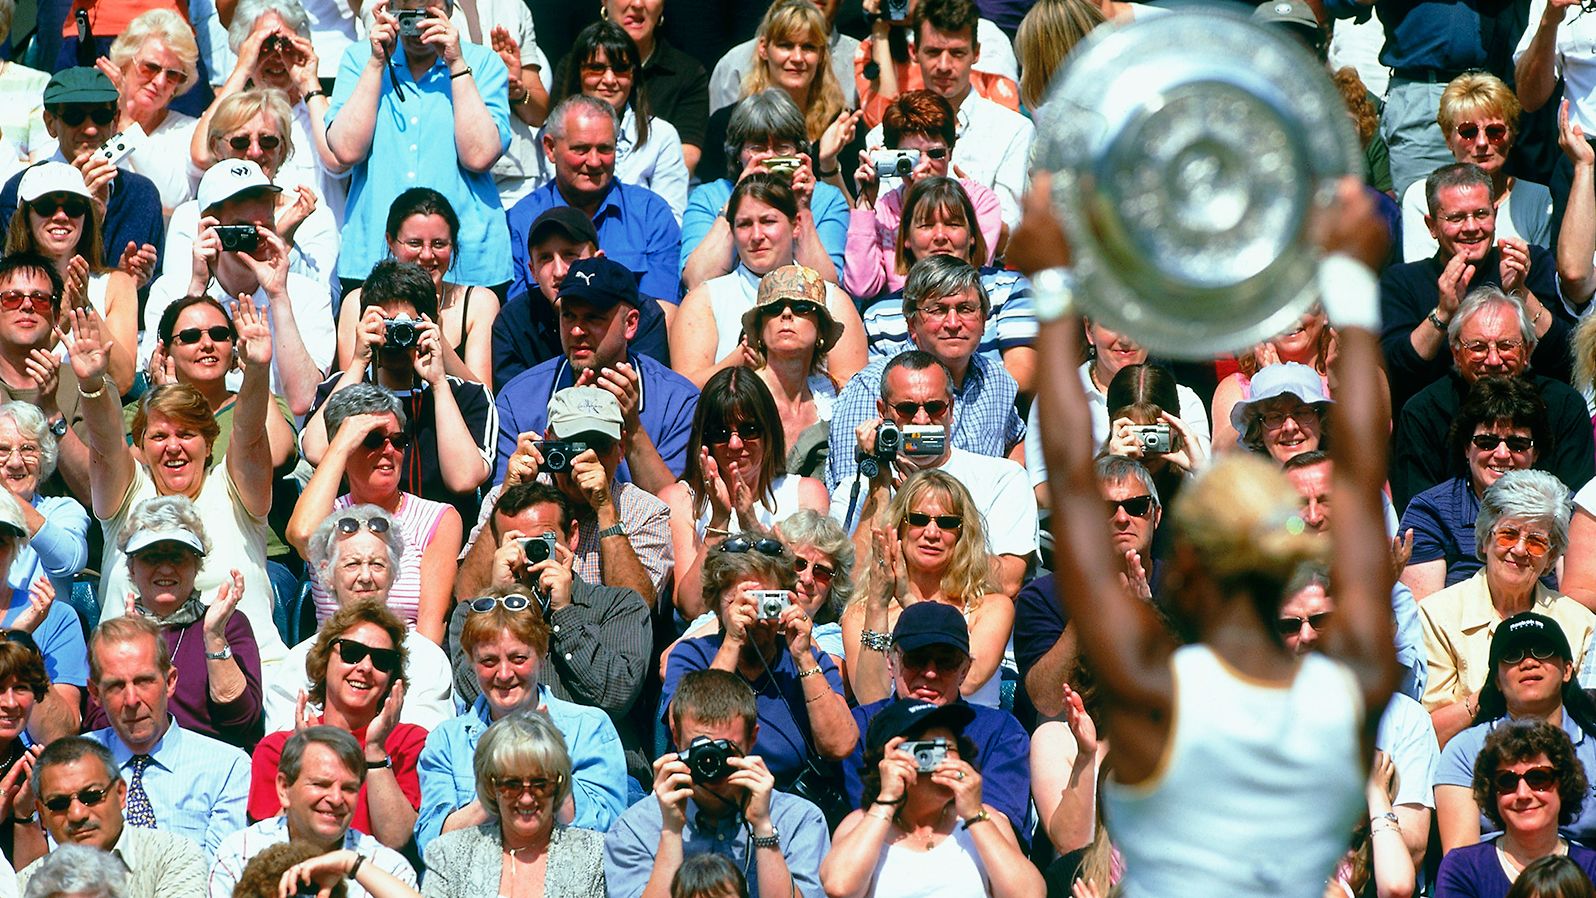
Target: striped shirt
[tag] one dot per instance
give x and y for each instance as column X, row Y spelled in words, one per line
column 417, row 519
column 1010, row 323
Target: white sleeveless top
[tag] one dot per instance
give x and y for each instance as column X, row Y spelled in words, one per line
column 730, row 295
column 953, row 869
column 1257, row 790
column 785, row 490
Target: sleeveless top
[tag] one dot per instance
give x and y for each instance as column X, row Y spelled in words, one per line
column 730, row 295
column 953, row 869
column 785, row 490
column 1257, row 790
column 417, row 519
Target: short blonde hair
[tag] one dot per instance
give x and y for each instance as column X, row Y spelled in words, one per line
column 170, row 29
column 519, row 741
column 1046, row 37
column 233, row 111
column 1242, row 517
column 1475, row 94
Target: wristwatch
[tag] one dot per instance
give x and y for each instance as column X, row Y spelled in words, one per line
column 771, row 841
column 612, row 530
column 223, row 655
column 59, row 427
column 379, row 765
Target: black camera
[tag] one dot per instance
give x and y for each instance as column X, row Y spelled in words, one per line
column 410, row 21
column 707, row 759
column 238, row 238
column 927, row 753
column 538, row 548
column 889, row 439
column 399, row 333
column 558, row 454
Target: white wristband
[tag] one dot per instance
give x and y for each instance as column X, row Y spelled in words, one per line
column 1349, row 293
column 1052, row 294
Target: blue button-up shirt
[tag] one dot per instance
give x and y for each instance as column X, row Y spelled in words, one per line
column 666, row 403
column 198, row 787
column 598, row 767
column 828, row 206
column 635, row 227
column 412, row 145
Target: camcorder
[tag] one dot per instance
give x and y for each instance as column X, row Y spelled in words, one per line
column 925, row 440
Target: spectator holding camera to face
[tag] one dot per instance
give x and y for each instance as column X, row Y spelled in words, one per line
column 713, row 794
column 400, row 348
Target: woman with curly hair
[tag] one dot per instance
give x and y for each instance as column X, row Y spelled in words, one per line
column 935, row 551
column 1528, row 782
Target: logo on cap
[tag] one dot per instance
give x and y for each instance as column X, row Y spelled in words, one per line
column 240, row 171
column 586, row 276
column 1282, row 8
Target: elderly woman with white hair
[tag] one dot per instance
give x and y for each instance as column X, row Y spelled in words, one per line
column 57, row 546
column 354, row 555
column 213, row 649
column 152, row 63
column 73, row 871
column 1521, row 531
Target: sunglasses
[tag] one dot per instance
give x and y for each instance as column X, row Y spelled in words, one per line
column 74, row 206
column 937, row 153
column 1487, row 442
column 352, row 652
column 1539, row 653
column 219, row 333
column 88, row 797
column 374, row 441
column 510, row 788
column 1135, row 506
column 737, row 545
column 346, row 526
column 1289, row 626
column 267, row 142
column 598, row 68
column 1493, row 133
column 944, row 521
column 933, row 409
column 822, row 572
column 12, row 300
column 800, row 307
column 512, row 602
column 73, row 116
column 747, row 431
column 1539, row 779
column 1536, row 544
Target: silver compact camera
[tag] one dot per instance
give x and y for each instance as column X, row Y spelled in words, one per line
column 895, row 163
column 410, row 21
column 1155, row 439
column 770, row 603
column 538, row 548
column 927, row 753
column 929, row 440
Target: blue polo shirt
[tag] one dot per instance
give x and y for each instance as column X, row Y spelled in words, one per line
column 666, row 403
column 636, row 228
column 412, row 145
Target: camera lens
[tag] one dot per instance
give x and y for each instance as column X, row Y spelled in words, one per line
column 904, row 166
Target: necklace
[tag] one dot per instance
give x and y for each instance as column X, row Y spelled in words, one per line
column 930, row 838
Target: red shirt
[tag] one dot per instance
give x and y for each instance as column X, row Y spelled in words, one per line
column 403, row 745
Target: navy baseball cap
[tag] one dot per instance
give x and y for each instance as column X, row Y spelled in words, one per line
column 571, row 222
column 931, row 623
column 910, row 715
column 599, row 282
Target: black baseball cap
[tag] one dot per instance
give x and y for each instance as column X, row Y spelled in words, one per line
column 599, row 282
column 1525, row 632
column 931, row 623
column 566, row 220
column 911, row 715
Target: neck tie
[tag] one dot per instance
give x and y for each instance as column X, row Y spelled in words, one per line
column 138, row 811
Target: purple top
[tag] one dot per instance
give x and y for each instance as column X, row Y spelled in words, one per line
column 1475, row 872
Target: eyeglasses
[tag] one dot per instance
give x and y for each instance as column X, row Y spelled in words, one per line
column 374, row 441
column 510, row 788
column 1484, row 347
column 961, row 309
column 267, row 142
column 1287, row 626
column 1135, row 506
column 153, row 70
column 747, row 431
column 219, row 333
column 944, row 521
column 352, row 652
column 73, row 116
column 74, row 206
column 87, row 797
column 799, row 565
column 512, row 602
column 933, row 409
column 1539, row 653
column 1487, row 442
column 737, row 545
column 597, row 69
column 1480, row 215
column 347, row 526
column 1536, row 544
column 1302, row 414
column 438, row 246
column 1495, row 133
column 28, row 451
column 1539, row 779
column 800, row 307
column 12, row 300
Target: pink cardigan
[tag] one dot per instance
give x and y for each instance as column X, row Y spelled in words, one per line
column 869, row 270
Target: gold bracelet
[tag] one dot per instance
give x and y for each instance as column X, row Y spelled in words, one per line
column 814, row 672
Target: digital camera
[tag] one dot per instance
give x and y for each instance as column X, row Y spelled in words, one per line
column 1155, row 439
column 238, row 238
column 118, row 145
column 929, row 440
column 538, row 548
column 770, row 603
column 927, row 753
column 558, row 454
column 783, row 166
column 895, row 163
column 410, row 21
column 706, row 759
column 399, row 333
column 889, row 439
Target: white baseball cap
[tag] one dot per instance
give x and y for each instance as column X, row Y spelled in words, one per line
column 229, row 178
column 183, row 536
column 50, row 177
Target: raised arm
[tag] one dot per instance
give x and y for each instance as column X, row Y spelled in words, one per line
column 349, row 135
column 249, row 455
column 110, row 458
column 1576, row 240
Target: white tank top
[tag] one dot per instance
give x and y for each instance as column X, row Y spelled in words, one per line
column 785, row 491
column 953, row 869
column 730, row 295
column 1258, row 788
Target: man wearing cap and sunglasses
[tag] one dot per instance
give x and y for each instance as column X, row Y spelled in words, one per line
column 238, row 253
column 81, row 798
column 79, row 112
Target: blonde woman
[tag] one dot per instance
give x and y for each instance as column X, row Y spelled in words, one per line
column 934, row 551
column 1047, row 35
column 152, row 63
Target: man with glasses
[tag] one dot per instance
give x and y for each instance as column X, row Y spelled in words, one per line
column 252, row 260
column 917, row 391
column 79, row 112
column 1492, row 334
column 599, row 635
column 177, row 780
column 80, row 797
column 929, row 659
column 318, row 776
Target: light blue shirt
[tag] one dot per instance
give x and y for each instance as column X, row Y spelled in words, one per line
column 828, row 206
column 198, row 786
column 59, row 550
column 412, row 145
column 598, row 766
